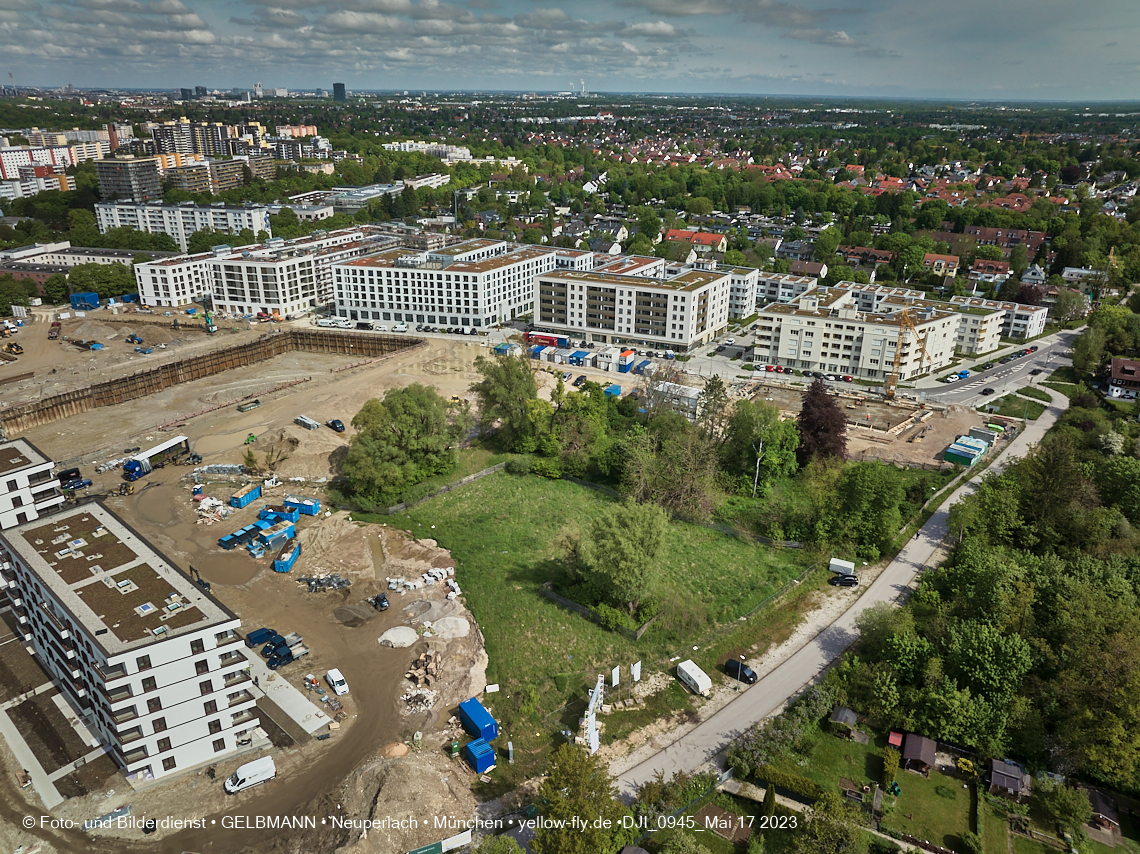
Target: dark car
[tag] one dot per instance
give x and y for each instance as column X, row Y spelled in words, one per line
column 1033, row 349
column 258, row 637
column 808, row 374
column 336, row 424
column 844, row 581
column 419, row 327
column 720, row 349
column 379, row 602
column 988, row 390
column 1036, row 371
column 737, row 669
column 578, row 382
column 70, row 474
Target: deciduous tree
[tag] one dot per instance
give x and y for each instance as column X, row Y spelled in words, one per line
column 617, row 553
column 822, row 426
column 506, row 392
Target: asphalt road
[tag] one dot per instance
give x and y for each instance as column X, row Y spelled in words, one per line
column 702, row 744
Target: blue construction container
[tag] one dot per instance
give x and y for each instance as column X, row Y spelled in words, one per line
column 255, row 548
column 287, row 556
column 307, row 506
column 578, row 357
column 477, row 720
column 641, row 366
column 613, row 390
column 276, row 531
column 87, row 301
column 244, row 535
column 246, row 495
column 279, row 513
column 228, row 542
column 480, row 755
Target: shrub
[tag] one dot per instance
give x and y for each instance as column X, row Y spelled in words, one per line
column 972, row 842
column 614, row 619
column 890, row 765
column 520, row 465
column 790, row 782
column 878, row 845
column 547, row 466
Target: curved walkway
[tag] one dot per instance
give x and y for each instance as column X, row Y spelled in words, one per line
column 702, row 744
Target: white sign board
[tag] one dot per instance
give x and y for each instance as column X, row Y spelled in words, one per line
column 614, row 676
column 635, row 671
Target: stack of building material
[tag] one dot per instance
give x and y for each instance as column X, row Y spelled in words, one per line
column 426, row 669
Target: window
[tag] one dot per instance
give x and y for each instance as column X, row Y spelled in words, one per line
column 168, row 764
column 163, row 745
column 219, row 745
column 215, row 726
column 197, row 646
column 149, row 683
column 153, row 705
column 206, row 687
column 17, row 501
column 11, row 486
column 143, row 662
column 160, row 724
column 201, row 667
column 211, row 707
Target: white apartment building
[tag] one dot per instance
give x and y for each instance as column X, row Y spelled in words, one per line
column 282, row 277
column 152, row 663
column 63, row 254
column 433, row 149
column 13, row 157
column 183, row 219
column 767, row 288
column 1017, row 320
column 675, row 312
column 979, row 327
column 825, row 330
column 744, row 283
column 28, row 486
column 476, row 283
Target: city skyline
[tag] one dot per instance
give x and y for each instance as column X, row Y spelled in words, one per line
column 1004, row 50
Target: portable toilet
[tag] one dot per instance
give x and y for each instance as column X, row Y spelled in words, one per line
column 480, row 755
column 477, row 720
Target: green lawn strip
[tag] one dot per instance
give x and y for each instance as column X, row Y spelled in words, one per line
column 501, row 531
column 935, row 809
column 1025, row 845
column 1035, row 393
column 1070, row 390
column 826, row 757
column 1067, row 374
column 1012, row 406
column 995, row 829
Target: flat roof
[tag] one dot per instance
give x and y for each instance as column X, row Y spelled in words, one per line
column 111, row 581
column 466, row 246
column 389, row 258
column 690, row 280
column 20, row 454
column 627, row 263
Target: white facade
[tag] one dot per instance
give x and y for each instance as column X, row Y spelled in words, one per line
column 677, row 312
column 28, row 486
column 182, row 220
column 13, row 157
column 476, row 283
column 152, row 663
column 825, row 330
column 743, row 285
column 1017, row 320
column 283, row 277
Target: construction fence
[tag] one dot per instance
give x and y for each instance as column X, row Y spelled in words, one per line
column 20, row 417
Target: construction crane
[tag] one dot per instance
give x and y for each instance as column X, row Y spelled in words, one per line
column 906, row 322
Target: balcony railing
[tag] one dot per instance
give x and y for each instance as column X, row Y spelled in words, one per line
column 136, row 755
column 232, row 657
column 244, row 717
column 117, row 695
column 110, row 674
column 131, row 735
column 226, row 640
column 231, row 679
column 239, row 698
column 125, row 715
column 55, row 621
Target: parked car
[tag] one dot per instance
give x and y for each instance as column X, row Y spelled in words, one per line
column 847, row 379
column 808, row 374
column 379, row 602
column 769, row 368
column 336, row 682
column 1033, row 349
column 419, row 327
column 988, row 390
column 720, row 349
column 578, row 382
column 259, row 636
column 831, row 377
column 729, row 340
column 1036, row 371
column 737, row 669
column 400, row 327
column 566, row 375
column 335, row 424
column 844, row 581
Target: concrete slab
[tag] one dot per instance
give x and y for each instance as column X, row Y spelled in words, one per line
column 288, row 698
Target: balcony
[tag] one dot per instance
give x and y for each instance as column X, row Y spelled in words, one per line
column 55, row 621
column 232, row 657
column 125, row 715
column 117, row 695
column 110, row 674
column 231, row 679
column 136, row 755
column 227, row 639
column 130, row 735
column 239, row 698
column 243, row 717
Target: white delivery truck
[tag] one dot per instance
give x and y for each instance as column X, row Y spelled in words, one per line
column 694, row 678
column 250, row 774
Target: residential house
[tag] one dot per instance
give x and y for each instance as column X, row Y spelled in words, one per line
column 796, row 250
column 919, row 753
column 605, row 246
column 1125, row 379
column 941, row 265
column 989, row 272
column 1034, row 276
column 1082, row 278
column 1009, row 780
column 701, row 241
column 864, row 256
column 808, row 268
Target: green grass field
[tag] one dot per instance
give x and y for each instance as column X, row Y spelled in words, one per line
column 936, row 809
column 1035, row 393
column 1070, row 390
column 829, row 757
column 995, row 829
column 1012, row 406
column 502, row 531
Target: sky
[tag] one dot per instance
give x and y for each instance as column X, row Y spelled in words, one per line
column 1053, row 50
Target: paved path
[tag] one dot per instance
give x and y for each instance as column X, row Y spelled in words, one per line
column 25, row 759
column 702, row 744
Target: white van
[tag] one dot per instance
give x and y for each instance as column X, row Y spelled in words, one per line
column 400, row 327
column 327, row 322
column 250, row 774
column 695, row 679
column 344, row 324
column 381, row 327
column 336, row 682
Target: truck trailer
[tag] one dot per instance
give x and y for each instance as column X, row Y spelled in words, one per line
column 156, row 457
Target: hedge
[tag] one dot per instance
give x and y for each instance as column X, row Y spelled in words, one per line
column 790, row 782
